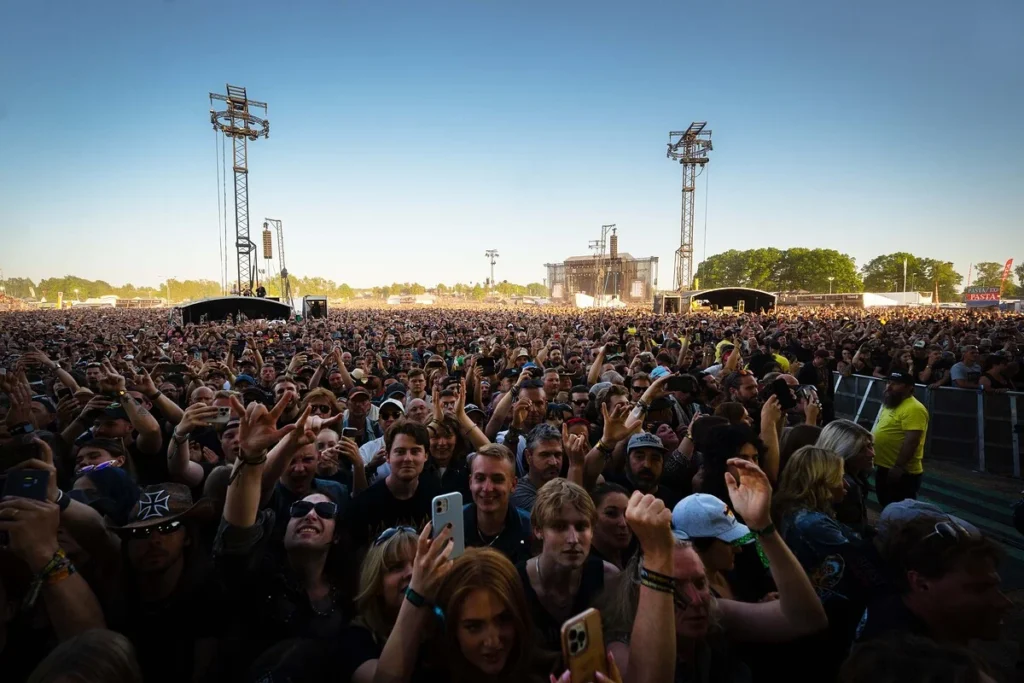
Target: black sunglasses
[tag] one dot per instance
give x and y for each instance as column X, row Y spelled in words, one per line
column 390, row 416
column 387, row 534
column 319, row 408
column 324, row 510
column 581, row 402
column 164, row 529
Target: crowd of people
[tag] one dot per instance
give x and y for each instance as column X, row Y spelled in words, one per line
column 252, row 500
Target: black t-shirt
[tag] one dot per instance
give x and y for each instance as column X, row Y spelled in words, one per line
column 548, row 629
column 377, row 509
column 357, row 646
column 172, row 625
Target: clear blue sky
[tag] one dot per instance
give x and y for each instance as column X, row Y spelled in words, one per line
column 407, row 137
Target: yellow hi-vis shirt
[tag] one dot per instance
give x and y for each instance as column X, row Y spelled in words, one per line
column 893, row 423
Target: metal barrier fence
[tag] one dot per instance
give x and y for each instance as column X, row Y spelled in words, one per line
column 974, row 428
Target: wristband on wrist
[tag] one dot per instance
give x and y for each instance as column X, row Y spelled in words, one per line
column 56, row 570
column 63, row 500
column 153, row 397
column 604, row 447
column 767, row 531
column 23, row 428
column 643, row 405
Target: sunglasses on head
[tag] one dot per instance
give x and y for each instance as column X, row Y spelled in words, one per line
column 164, row 529
column 324, row 509
column 387, row 534
column 948, row 531
column 95, row 468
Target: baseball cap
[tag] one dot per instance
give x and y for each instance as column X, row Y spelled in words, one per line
column 531, row 365
column 394, row 403
column 902, row 378
column 357, row 390
column 396, row 388
column 822, row 353
column 522, row 353
column 702, row 515
column 909, row 510
column 644, row 440
column 358, row 374
column 473, row 408
column 244, row 378
column 919, row 344
column 659, row 371
column 115, row 411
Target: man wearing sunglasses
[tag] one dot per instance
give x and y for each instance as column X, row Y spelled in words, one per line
column 373, row 452
column 170, row 604
column 579, row 397
column 947, row 577
column 279, row 596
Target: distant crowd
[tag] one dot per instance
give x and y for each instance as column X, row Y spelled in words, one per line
column 505, row 494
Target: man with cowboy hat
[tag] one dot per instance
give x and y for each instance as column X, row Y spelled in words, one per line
column 165, row 601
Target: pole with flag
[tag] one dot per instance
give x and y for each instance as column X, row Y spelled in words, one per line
column 1006, row 273
column 970, row 269
column 904, row 276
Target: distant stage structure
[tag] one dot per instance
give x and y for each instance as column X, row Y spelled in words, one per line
column 606, row 278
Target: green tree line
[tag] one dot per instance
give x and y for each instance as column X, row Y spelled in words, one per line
column 190, row 290
column 811, row 269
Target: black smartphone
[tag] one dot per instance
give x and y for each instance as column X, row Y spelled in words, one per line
column 786, row 399
column 27, row 484
column 239, row 348
column 350, row 432
column 683, row 383
column 610, row 348
column 487, row 364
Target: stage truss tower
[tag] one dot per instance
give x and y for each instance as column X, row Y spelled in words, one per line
column 285, row 286
column 238, row 123
column 690, row 148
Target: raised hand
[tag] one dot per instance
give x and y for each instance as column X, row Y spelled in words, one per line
column 651, row 521
column 20, row 393
column 811, row 412
column 431, row 562
column 257, row 427
column 144, row 383
column 40, row 358
column 771, row 411
column 576, row 447
column 31, row 527
column 520, row 411
column 110, row 381
column 618, row 424
column 750, row 492
column 350, row 450
column 196, row 415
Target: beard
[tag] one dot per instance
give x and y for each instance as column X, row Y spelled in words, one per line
column 891, row 400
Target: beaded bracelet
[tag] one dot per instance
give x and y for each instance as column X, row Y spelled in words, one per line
column 56, row 570
column 657, row 586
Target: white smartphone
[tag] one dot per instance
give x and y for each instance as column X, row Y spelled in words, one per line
column 447, row 509
column 223, row 415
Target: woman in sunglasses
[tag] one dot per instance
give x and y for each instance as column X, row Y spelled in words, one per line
column 321, row 403
column 383, row 579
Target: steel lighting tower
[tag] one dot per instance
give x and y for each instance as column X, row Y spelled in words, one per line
column 285, row 285
column 493, row 255
column 690, row 147
column 241, row 126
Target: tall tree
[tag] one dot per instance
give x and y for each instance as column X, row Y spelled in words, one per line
column 987, row 274
column 773, row 269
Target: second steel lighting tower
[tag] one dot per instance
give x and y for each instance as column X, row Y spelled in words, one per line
column 237, row 123
column 493, row 255
column 690, row 148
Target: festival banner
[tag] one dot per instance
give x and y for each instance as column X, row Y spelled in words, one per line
column 981, row 296
column 1006, row 272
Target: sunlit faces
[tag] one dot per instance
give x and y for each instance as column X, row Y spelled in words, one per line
column 486, row 631
column 406, row 458
column 545, row 461
column 611, row 530
column 491, row 483
column 567, row 539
